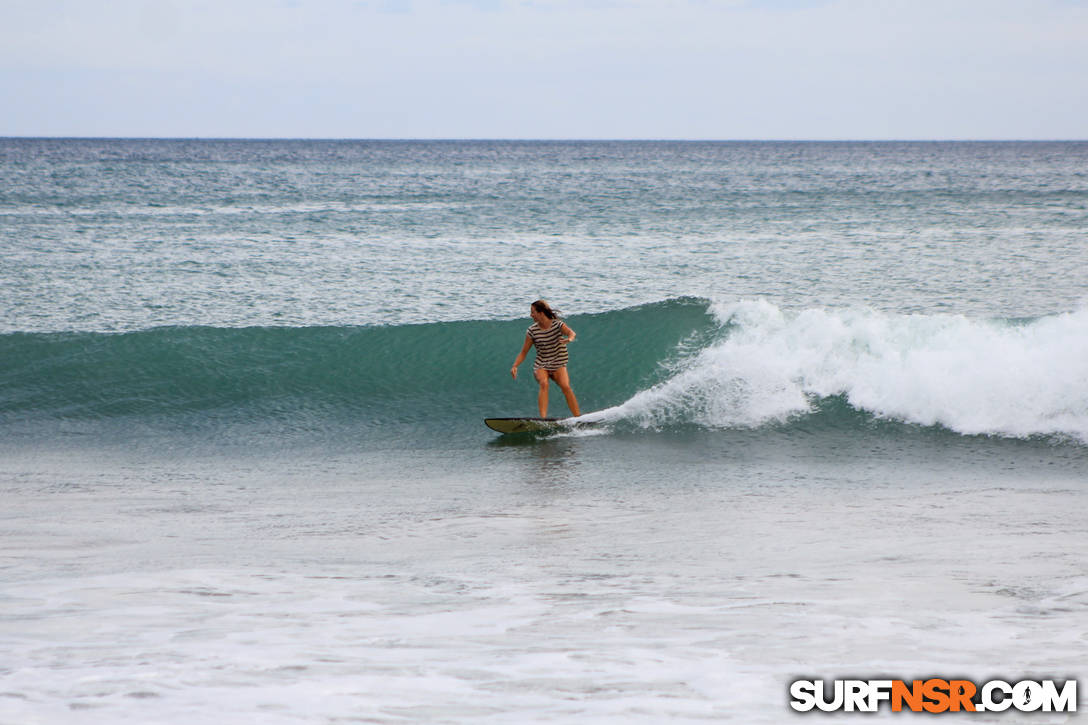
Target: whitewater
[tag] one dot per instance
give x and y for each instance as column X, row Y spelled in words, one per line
column 842, row 391
column 1012, row 378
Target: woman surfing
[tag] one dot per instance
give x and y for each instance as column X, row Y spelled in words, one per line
column 550, row 335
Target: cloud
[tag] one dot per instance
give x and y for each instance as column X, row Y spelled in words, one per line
column 518, row 68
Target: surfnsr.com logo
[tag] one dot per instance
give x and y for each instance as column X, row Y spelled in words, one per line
column 933, row 695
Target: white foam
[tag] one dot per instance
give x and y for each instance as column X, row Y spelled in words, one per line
column 972, row 376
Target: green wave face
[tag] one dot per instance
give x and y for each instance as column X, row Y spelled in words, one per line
column 442, row 373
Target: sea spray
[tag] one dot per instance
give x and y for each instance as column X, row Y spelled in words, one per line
column 995, row 377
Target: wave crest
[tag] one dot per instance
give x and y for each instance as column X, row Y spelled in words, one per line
column 994, row 377
column 676, row 363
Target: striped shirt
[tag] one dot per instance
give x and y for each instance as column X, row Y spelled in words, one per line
column 551, row 354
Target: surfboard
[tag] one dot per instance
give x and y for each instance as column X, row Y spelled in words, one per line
column 532, row 425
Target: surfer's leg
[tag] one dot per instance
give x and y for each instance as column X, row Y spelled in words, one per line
column 561, row 377
column 541, row 376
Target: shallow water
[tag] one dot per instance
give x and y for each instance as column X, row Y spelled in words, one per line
column 690, row 577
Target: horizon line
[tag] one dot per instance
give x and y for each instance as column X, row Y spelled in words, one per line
column 511, row 139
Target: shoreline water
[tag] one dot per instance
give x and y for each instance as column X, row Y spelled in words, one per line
column 531, row 582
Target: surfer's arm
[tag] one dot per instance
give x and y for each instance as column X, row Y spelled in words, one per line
column 569, row 332
column 521, row 356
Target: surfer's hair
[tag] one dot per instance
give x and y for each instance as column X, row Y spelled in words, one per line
column 545, row 309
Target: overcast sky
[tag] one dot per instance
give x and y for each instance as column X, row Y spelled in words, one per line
column 675, row 69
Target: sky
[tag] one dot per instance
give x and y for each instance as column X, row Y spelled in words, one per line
column 545, row 69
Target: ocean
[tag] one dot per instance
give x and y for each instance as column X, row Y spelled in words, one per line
column 841, row 393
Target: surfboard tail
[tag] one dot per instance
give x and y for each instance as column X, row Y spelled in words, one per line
column 535, row 425
column 522, row 425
